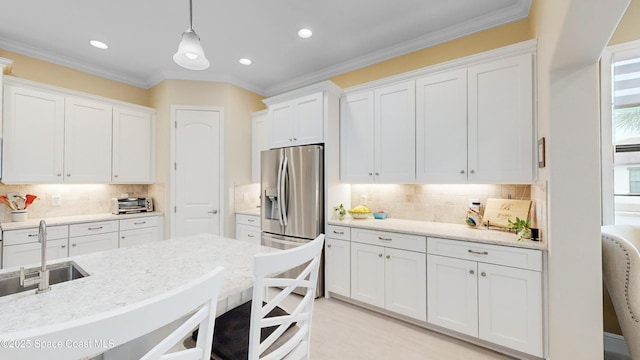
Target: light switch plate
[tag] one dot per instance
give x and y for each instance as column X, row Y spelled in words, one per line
column 56, row 200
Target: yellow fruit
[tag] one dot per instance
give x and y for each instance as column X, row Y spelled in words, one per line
column 360, row 209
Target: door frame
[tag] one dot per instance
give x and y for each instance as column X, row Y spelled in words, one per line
column 172, row 168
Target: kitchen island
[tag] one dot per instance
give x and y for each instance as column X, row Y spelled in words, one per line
column 124, row 276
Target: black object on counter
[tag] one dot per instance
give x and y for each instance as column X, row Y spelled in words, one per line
column 534, row 234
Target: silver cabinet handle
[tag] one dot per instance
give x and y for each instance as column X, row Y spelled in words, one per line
column 335, row 232
column 140, row 223
column 249, row 235
column 213, row 212
column 471, row 272
column 95, row 228
column 370, row 174
column 63, row 246
column 122, row 237
column 115, row 175
column 384, row 239
column 68, row 174
column 472, row 171
column 388, row 256
column 32, row 235
column 379, row 255
column 461, row 171
column 74, row 244
column 478, row 252
column 377, row 173
column 483, row 274
column 329, row 245
column 59, row 175
column 250, row 220
column 295, row 139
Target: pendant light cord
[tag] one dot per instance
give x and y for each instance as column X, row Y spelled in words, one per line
column 191, row 15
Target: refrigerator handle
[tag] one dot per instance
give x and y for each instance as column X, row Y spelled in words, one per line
column 279, row 190
column 283, row 198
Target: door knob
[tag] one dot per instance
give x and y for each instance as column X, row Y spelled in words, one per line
column 213, row 212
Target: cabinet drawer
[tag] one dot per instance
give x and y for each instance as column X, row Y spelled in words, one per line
column 30, row 235
column 338, row 232
column 138, row 223
column 92, row 228
column 248, row 220
column 248, row 233
column 486, row 253
column 390, row 239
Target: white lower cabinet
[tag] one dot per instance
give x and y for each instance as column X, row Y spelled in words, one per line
column 386, row 277
column 21, row 247
column 337, row 255
column 91, row 237
column 474, row 293
column 248, row 228
column 138, row 231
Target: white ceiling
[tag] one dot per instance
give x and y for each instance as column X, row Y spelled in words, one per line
column 144, row 34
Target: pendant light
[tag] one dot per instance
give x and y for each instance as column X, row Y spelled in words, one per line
column 190, row 54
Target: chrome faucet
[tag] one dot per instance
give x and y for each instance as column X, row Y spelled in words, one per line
column 41, row 276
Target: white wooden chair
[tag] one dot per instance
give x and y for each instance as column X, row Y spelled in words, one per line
column 621, row 273
column 265, row 266
column 88, row 336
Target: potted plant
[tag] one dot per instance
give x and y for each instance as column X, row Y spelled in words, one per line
column 521, row 227
column 340, row 212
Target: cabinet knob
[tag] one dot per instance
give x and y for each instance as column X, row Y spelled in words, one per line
column 63, row 246
column 115, row 175
column 68, row 174
column 59, row 175
column 461, row 171
column 294, row 139
column 471, row 272
column 388, row 256
column 74, row 244
column 122, row 237
column 329, row 245
column 483, row 274
column 377, row 173
column 370, row 174
column 472, row 171
column 290, row 139
column 379, row 255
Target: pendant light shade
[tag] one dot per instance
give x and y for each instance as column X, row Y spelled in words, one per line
column 190, row 54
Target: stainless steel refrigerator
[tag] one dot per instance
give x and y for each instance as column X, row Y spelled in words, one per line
column 292, row 197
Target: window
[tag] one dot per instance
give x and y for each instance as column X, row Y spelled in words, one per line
column 634, row 180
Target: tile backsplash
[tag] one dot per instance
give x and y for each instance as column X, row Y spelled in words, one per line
column 76, row 199
column 437, row 203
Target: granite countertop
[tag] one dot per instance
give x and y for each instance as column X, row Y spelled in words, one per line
column 252, row 211
column 125, row 276
column 444, row 230
column 76, row 219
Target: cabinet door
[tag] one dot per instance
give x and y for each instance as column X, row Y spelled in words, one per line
column 33, row 130
column 367, row 274
column 501, row 120
column 282, row 122
column 138, row 236
column 91, row 243
column 87, row 141
column 452, row 297
column 395, row 133
column 28, row 254
column 356, row 138
column 309, row 124
column 510, row 307
column 338, row 266
column 260, row 132
column 248, row 233
column 441, row 127
column 406, row 283
column 133, row 147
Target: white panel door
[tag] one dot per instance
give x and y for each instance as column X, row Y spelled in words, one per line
column 91, row 243
column 406, row 283
column 367, row 274
column 452, row 294
column 510, row 307
column 356, row 138
column 441, row 127
column 133, row 147
column 395, row 133
column 337, row 255
column 33, row 135
column 501, row 120
column 282, row 124
column 197, row 171
column 260, row 140
column 309, row 118
column 87, row 141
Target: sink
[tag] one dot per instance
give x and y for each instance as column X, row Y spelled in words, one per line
column 58, row 273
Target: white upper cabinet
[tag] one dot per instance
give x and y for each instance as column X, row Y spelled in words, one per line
column 53, row 135
column 33, row 131
column 441, row 127
column 133, row 146
column 87, row 141
column 377, row 131
column 260, row 132
column 297, row 122
column 501, row 120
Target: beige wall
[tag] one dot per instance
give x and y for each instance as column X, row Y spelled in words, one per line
column 26, row 67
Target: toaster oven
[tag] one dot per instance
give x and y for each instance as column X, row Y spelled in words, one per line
column 131, row 205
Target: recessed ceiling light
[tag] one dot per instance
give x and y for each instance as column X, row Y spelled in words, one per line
column 99, row 44
column 305, row 33
column 245, row 61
